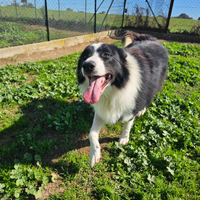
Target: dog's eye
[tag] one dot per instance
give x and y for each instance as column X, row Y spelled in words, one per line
column 106, row 55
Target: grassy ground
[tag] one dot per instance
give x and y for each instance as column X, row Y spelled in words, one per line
column 10, row 11
column 44, row 127
column 13, row 34
column 181, row 25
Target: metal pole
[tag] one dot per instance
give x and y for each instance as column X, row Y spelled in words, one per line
column 35, row 9
column 123, row 13
column 153, row 14
column 95, row 16
column 96, row 11
column 58, row 9
column 47, row 21
column 169, row 15
column 0, row 11
column 105, row 16
column 85, row 11
column 15, row 2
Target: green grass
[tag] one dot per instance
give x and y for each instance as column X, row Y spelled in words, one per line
column 10, row 11
column 180, row 25
column 44, row 125
column 13, row 34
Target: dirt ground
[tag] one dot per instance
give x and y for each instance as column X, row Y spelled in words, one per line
column 50, row 54
column 56, row 53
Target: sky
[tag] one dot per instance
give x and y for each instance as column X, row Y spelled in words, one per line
column 191, row 8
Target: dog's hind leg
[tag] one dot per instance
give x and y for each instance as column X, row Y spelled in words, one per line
column 125, row 133
column 94, row 140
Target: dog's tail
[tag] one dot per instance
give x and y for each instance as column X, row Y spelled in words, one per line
column 129, row 37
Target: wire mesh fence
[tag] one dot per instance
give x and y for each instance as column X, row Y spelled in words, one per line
column 71, row 18
column 25, row 21
column 21, row 23
column 151, row 14
column 185, row 18
column 109, row 14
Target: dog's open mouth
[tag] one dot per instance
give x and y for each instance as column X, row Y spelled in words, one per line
column 96, row 86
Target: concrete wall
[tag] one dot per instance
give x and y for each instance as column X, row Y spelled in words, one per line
column 43, row 46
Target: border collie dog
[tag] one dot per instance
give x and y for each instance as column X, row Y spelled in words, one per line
column 120, row 83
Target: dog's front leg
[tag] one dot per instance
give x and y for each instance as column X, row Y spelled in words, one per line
column 94, row 140
column 125, row 133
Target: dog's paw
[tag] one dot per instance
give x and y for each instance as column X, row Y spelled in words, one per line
column 140, row 113
column 123, row 140
column 94, row 155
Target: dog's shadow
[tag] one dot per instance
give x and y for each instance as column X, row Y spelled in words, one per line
column 49, row 128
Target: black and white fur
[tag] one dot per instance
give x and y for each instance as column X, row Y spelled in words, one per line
column 133, row 76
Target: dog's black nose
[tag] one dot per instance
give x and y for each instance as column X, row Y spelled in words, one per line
column 88, row 66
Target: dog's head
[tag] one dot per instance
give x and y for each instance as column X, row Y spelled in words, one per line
column 101, row 66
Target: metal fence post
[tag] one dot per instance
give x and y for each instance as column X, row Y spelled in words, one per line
column 106, row 15
column 95, row 15
column 58, row 9
column 35, row 9
column 16, row 9
column 153, row 14
column 85, row 11
column 169, row 15
column 123, row 13
column 0, row 12
column 47, row 21
column 96, row 11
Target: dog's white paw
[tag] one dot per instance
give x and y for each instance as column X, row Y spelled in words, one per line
column 140, row 113
column 94, row 155
column 123, row 140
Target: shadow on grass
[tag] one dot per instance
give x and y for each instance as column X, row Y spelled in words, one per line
column 55, row 131
column 49, row 128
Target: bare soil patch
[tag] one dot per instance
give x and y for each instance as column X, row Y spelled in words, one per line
column 57, row 52
column 52, row 188
column 51, row 54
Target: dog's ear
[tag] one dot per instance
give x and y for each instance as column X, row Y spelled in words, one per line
column 122, row 53
column 122, row 73
column 80, row 76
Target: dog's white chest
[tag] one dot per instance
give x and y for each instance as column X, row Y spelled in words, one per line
column 115, row 105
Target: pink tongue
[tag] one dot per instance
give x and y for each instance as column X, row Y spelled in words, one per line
column 92, row 94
